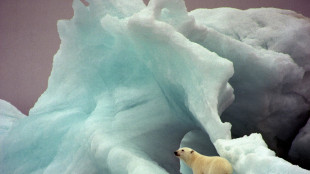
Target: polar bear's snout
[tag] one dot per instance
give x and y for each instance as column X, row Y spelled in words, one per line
column 176, row 153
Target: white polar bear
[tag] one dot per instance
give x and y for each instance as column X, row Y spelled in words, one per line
column 201, row 164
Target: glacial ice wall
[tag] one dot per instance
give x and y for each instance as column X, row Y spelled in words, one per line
column 8, row 116
column 271, row 80
column 132, row 83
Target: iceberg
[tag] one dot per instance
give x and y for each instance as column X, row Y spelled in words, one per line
column 132, row 83
column 8, row 116
column 271, row 80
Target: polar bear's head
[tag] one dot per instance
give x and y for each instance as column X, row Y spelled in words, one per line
column 185, row 153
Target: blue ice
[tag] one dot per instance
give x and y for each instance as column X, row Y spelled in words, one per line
column 132, row 83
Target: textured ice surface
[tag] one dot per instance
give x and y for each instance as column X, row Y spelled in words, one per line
column 8, row 116
column 250, row 154
column 270, row 49
column 130, row 84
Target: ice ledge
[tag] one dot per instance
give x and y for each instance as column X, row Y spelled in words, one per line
column 250, row 154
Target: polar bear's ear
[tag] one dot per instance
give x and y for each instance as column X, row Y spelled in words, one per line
column 192, row 151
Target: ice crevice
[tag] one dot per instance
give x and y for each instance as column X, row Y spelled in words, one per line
column 132, row 83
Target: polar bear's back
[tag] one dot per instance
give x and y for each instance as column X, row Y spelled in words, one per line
column 221, row 166
column 211, row 165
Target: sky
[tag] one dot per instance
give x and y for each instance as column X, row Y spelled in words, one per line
column 29, row 40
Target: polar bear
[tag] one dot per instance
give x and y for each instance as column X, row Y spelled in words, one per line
column 201, row 164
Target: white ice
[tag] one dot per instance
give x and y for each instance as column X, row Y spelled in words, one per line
column 131, row 83
column 270, row 49
column 8, row 116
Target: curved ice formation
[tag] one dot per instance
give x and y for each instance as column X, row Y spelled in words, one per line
column 270, row 52
column 130, row 84
column 8, row 116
